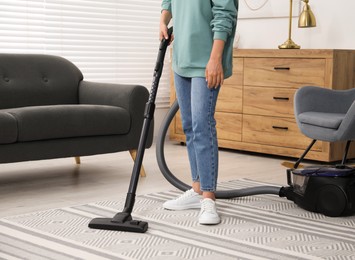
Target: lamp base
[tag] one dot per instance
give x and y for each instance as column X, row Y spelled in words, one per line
column 289, row 44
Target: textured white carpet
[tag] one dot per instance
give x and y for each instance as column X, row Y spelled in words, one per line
column 257, row 227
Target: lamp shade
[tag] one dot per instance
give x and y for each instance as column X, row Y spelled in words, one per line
column 306, row 18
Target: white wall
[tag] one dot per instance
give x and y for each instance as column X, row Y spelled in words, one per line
column 335, row 28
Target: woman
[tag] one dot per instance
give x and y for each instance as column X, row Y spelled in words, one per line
column 202, row 58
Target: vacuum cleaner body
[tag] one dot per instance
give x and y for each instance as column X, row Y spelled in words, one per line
column 326, row 190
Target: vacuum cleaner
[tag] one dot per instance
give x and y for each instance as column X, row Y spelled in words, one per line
column 123, row 221
column 329, row 190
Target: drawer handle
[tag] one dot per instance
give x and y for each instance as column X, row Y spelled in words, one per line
column 280, row 127
column 281, row 68
column 281, row 98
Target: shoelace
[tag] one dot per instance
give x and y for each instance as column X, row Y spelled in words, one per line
column 187, row 194
column 207, row 206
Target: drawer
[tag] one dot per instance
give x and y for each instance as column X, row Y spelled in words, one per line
column 282, row 132
column 268, row 101
column 230, row 99
column 283, row 72
column 229, row 126
column 238, row 70
column 230, row 95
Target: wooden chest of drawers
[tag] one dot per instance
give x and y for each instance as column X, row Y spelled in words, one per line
column 255, row 106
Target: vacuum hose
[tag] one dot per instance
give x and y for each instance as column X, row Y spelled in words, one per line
column 225, row 194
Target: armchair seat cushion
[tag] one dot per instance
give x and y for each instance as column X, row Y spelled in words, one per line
column 64, row 121
column 321, row 119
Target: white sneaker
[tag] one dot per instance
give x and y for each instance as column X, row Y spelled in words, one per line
column 188, row 200
column 208, row 214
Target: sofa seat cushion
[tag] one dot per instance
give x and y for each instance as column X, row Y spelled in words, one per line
column 65, row 121
column 8, row 126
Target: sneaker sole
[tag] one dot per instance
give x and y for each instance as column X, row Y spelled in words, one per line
column 214, row 221
column 192, row 206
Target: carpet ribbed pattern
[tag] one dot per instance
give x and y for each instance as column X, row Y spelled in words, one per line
column 256, row 227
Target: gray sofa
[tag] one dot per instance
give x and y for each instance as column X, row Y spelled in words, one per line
column 48, row 111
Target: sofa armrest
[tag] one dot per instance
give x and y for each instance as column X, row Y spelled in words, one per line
column 120, row 95
column 130, row 97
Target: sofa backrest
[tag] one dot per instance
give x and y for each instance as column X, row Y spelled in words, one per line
column 37, row 79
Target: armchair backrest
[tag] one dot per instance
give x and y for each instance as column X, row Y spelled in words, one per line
column 37, row 79
column 318, row 99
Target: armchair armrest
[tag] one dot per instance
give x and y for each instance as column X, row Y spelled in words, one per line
column 347, row 126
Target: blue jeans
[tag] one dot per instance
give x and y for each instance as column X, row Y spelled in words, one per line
column 197, row 107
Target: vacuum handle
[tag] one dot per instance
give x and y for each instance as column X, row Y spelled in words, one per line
column 159, row 68
column 161, row 55
column 165, row 42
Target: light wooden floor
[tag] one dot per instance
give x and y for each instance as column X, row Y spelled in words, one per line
column 39, row 185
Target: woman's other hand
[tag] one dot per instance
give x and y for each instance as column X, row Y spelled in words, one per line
column 214, row 68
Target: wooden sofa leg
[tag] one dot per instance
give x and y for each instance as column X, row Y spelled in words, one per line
column 77, row 160
column 133, row 154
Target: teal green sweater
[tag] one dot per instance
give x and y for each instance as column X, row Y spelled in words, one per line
column 196, row 24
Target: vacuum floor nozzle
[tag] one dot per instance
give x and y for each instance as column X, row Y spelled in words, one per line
column 121, row 222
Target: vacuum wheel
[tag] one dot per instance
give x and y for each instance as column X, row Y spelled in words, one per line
column 332, row 201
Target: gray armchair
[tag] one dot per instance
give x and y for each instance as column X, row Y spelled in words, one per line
column 326, row 114
column 48, row 111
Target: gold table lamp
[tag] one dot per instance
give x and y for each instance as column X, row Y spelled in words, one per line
column 305, row 20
